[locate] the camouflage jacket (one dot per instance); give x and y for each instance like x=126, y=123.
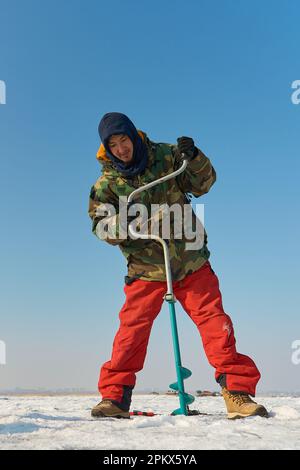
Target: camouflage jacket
x=145, y=259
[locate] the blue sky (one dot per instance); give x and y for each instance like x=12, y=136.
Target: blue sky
x=220, y=72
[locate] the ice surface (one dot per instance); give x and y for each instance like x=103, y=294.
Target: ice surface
x=64, y=422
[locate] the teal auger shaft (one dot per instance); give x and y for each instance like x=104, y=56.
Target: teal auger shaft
x=182, y=373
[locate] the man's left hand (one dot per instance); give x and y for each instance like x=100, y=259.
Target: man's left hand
x=186, y=145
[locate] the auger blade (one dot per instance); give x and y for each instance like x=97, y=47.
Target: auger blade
x=185, y=374
x=177, y=412
x=188, y=399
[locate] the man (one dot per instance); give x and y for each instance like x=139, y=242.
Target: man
x=130, y=159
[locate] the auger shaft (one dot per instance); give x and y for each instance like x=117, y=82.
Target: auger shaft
x=178, y=365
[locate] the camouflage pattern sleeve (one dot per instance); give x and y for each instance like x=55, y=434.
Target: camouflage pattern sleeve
x=104, y=212
x=199, y=175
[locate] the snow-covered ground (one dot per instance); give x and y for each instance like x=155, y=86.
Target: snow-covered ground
x=64, y=422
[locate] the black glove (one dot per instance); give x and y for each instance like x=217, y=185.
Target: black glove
x=186, y=145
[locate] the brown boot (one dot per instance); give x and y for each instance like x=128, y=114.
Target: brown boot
x=107, y=409
x=240, y=405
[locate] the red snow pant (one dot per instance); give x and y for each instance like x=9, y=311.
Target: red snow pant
x=201, y=298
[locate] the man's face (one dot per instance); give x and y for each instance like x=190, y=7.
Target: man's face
x=121, y=147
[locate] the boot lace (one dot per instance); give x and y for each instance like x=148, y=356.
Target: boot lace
x=241, y=398
x=106, y=400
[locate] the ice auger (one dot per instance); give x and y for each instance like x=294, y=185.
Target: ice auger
x=183, y=373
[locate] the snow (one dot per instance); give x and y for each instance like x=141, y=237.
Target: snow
x=64, y=422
